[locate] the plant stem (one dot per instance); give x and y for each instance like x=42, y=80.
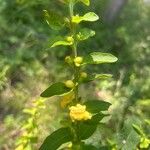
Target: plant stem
x=74, y=49
x=76, y=142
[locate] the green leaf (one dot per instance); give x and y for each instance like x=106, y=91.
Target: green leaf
x=64, y=43
x=85, y=34
x=55, y=89
x=54, y=20
x=99, y=58
x=56, y=139
x=94, y=77
x=87, y=128
x=91, y=16
x=95, y=106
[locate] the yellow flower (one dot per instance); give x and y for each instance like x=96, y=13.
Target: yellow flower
x=79, y=113
x=65, y=100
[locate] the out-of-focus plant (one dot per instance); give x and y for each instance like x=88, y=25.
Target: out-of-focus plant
x=82, y=115
x=3, y=78
x=29, y=129
x=144, y=138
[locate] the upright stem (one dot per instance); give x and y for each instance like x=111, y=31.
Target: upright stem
x=76, y=145
x=74, y=48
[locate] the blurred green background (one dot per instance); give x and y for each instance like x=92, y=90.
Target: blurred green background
x=28, y=65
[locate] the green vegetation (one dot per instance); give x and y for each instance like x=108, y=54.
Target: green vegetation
x=28, y=65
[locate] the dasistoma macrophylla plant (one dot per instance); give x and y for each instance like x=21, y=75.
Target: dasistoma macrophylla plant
x=83, y=115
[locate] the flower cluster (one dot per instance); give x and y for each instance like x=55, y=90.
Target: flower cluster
x=79, y=113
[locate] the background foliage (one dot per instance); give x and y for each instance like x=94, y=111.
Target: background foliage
x=27, y=66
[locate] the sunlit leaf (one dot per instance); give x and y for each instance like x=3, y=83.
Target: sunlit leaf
x=99, y=58
x=91, y=16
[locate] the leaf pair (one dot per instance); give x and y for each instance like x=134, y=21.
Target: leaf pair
x=60, y=89
x=93, y=58
x=81, y=36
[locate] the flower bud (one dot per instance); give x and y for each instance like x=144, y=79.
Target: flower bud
x=78, y=61
x=83, y=75
x=70, y=39
x=69, y=84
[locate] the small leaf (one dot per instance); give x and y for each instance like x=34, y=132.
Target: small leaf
x=64, y=43
x=85, y=34
x=95, y=106
x=91, y=16
x=54, y=20
x=56, y=89
x=99, y=58
x=56, y=139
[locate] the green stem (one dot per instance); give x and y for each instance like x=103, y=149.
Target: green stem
x=76, y=141
x=74, y=49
